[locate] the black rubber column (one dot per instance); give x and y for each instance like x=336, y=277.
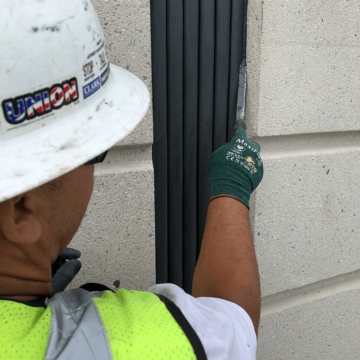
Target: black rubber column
x=191, y=88
x=237, y=38
x=160, y=146
x=206, y=109
x=197, y=48
x=175, y=98
x=222, y=63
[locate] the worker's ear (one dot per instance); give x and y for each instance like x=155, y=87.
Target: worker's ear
x=18, y=221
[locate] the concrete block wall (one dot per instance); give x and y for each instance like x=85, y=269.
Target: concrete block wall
x=303, y=107
x=117, y=235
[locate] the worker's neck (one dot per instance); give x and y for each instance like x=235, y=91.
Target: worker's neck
x=25, y=271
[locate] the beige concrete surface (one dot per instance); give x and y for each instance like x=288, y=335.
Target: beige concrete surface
x=323, y=329
x=117, y=235
x=306, y=217
x=303, y=61
x=303, y=107
x=126, y=26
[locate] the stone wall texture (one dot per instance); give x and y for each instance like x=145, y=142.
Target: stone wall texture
x=303, y=106
x=117, y=235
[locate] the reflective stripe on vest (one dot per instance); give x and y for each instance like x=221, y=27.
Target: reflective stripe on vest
x=77, y=330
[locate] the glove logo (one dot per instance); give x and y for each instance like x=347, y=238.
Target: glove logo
x=251, y=163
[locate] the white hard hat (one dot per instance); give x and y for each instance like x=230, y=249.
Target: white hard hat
x=62, y=103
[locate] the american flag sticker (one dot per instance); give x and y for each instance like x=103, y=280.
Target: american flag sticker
x=29, y=106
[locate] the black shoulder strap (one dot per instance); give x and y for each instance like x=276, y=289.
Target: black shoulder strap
x=94, y=287
x=41, y=300
x=185, y=326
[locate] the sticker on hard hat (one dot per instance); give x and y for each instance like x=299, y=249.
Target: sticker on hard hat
x=40, y=102
x=31, y=105
x=105, y=75
x=91, y=88
x=96, y=70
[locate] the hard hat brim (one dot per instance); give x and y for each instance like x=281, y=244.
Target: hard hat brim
x=74, y=139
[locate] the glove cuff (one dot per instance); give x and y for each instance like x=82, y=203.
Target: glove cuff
x=230, y=196
x=232, y=191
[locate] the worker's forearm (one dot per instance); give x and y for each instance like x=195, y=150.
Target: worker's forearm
x=227, y=266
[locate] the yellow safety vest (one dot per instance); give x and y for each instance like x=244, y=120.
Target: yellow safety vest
x=79, y=324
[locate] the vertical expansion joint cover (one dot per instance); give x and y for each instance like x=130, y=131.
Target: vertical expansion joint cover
x=77, y=330
x=61, y=101
x=194, y=113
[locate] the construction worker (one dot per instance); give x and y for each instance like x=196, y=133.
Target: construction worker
x=63, y=106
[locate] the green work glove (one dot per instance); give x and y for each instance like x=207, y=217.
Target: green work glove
x=236, y=168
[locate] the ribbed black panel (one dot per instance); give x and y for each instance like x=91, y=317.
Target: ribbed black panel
x=196, y=54
x=160, y=146
x=191, y=62
x=238, y=22
x=222, y=63
x=175, y=81
x=206, y=109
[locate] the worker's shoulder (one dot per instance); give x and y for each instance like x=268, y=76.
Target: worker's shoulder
x=22, y=324
x=124, y=297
